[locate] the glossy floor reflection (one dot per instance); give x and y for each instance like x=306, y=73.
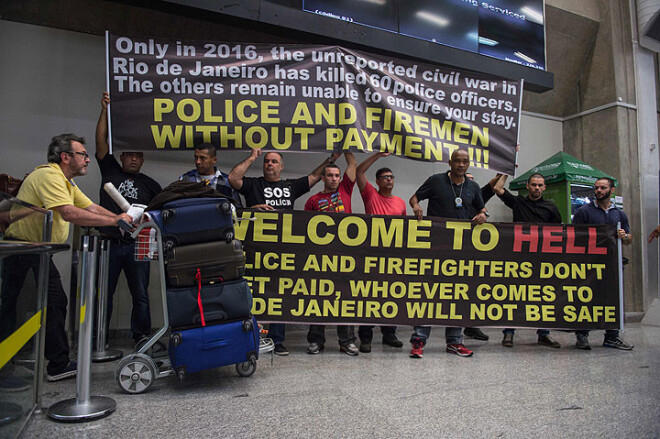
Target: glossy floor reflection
x=521, y=392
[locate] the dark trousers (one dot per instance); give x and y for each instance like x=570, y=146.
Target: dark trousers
x=366, y=333
x=122, y=257
x=316, y=334
x=14, y=270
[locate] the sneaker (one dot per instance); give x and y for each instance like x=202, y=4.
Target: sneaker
x=617, y=343
x=507, y=341
x=417, y=350
x=69, y=371
x=582, y=342
x=392, y=340
x=349, y=349
x=459, y=349
x=475, y=333
x=314, y=348
x=13, y=384
x=365, y=347
x=546, y=340
x=281, y=350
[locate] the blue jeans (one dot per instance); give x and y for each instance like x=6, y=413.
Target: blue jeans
x=277, y=332
x=539, y=332
x=121, y=257
x=452, y=335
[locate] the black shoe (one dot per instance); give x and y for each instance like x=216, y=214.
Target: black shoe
x=365, y=347
x=582, y=342
x=617, y=343
x=475, y=333
x=391, y=340
x=281, y=350
x=507, y=341
x=546, y=340
x=69, y=371
x=314, y=348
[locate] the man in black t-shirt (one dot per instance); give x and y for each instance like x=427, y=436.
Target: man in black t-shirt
x=137, y=188
x=270, y=192
x=450, y=195
x=532, y=208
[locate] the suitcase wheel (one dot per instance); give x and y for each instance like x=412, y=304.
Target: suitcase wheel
x=181, y=373
x=247, y=325
x=169, y=244
x=168, y=215
x=246, y=368
x=225, y=208
x=176, y=339
x=135, y=373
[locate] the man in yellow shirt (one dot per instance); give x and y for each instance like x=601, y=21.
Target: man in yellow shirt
x=51, y=187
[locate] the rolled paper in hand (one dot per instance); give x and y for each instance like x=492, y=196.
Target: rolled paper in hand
x=116, y=196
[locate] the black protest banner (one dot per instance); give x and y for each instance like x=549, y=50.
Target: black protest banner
x=171, y=94
x=338, y=268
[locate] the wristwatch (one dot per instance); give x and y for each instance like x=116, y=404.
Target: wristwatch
x=330, y=159
x=486, y=213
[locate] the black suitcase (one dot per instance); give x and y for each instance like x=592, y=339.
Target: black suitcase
x=217, y=261
x=219, y=302
x=193, y=220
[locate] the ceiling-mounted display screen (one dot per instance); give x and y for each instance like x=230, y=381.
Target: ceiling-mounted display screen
x=510, y=30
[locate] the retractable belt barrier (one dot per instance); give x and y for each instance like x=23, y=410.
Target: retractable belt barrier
x=84, y=407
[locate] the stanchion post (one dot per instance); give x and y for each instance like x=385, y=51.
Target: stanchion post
x=102, y=354
x=84, y=407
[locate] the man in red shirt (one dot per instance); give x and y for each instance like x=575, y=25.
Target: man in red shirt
x=378, y=202
x=335, y=197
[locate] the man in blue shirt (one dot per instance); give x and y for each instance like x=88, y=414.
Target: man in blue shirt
x=205, y=170
x=602, y=211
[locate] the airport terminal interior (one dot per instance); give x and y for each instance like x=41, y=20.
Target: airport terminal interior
x=564, y=89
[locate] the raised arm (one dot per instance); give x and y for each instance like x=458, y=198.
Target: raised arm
x=351, y=165
x=102, y=146
x=238, y=172
x=497, y=183
x=315, y=175
x=654, y=234
x=364, y=166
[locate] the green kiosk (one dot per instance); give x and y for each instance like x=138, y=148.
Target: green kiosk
x=569, y=183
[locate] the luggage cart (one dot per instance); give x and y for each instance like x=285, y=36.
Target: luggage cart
x=136, y=372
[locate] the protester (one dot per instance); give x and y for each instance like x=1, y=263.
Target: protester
x=335, y=197
x=531, y=209
x=136, y=188
x=271, y=192
x=206, y=170
x=450, y=195
x=603, y=211
x=378, y=202
x=51, y=187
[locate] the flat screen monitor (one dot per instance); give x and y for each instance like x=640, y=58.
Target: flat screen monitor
x=510, y=30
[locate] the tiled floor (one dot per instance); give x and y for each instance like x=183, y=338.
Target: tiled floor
x=527, y=391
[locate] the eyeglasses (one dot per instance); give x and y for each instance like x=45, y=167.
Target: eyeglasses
x=84, y=154
x=387, y=177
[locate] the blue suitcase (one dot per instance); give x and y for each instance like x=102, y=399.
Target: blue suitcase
x=194, y=220
x=213, y=346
